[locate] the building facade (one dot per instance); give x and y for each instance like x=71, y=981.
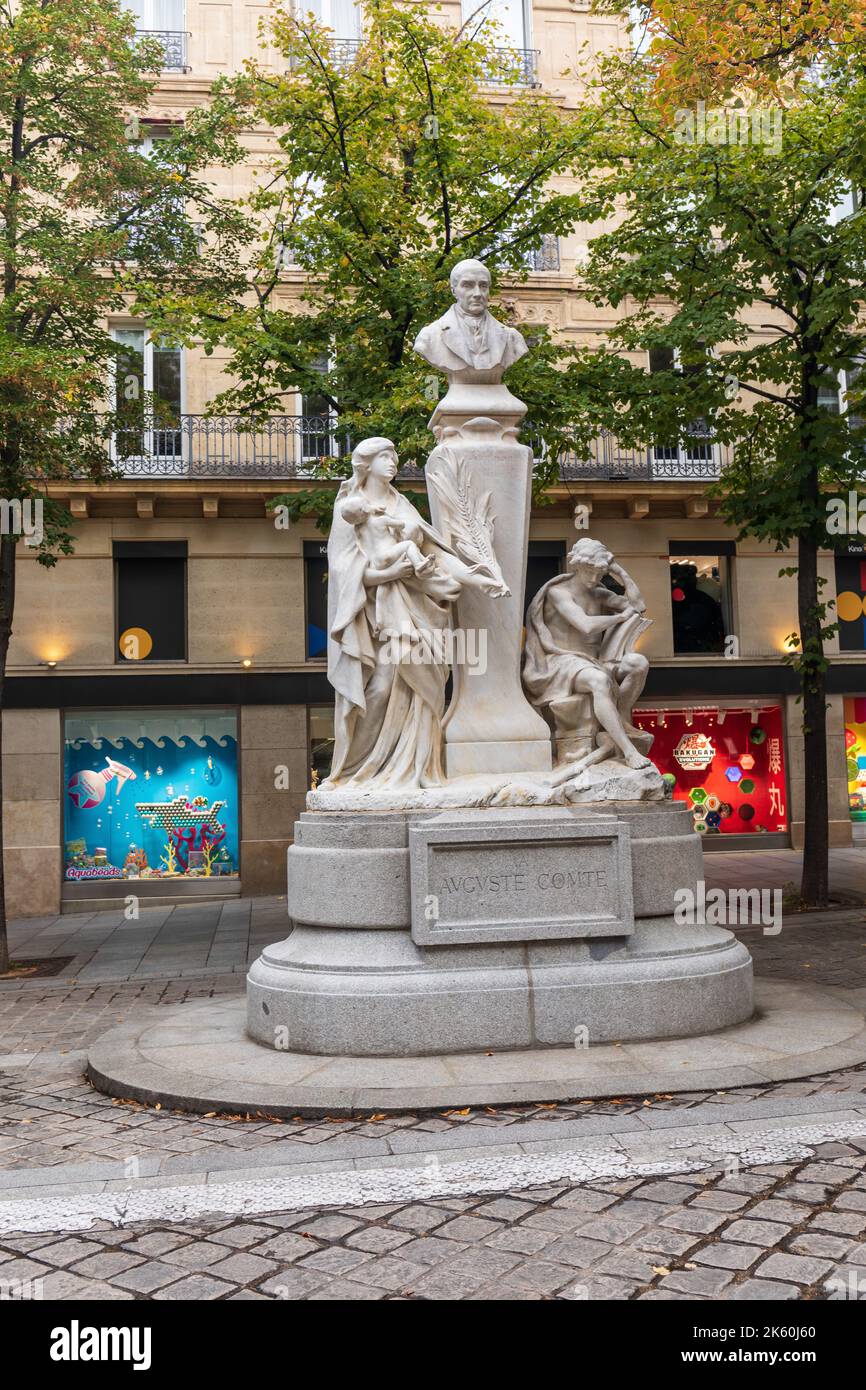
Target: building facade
x=167, y=701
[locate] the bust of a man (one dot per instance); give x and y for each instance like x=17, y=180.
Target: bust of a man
x=468, y=342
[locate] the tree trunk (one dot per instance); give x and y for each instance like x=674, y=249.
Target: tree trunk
x=814, y=888
x=7, y=608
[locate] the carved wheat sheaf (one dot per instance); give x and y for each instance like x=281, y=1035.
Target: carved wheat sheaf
x=470, y=520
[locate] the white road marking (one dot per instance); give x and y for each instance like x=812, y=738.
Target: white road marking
x=429, y=1176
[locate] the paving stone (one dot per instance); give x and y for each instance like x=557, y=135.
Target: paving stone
x=243, y=1235
x=292, y=1283
x=504, y=1209
x=508, y=1293
x=64, y=1252
x=667, y=1243
x=378, y=1239
x=850, y=1201
x=815, y=1243
x=726, y=1255
x=334, y=1260
x=19, y=1271
x=612, y=1229
x=843, y=1223
x=717, y=1200
x=665, y=1192
x=107, y=1263
x=428, y=1250
x=542, y=1276
x=331, y=1227
x=418, y=1218
x=343, y=1289
x=242, y=1268
x=801, y=1269
x=576, y=1250
x=468, y=1228
x=703, y=1283
x=600, y=1287
x=776, y=1209
x=194, y=1288
x=145, y=1278
x=584, y=1199
x=390, y=1272
x=757, y=1232
x=769, y=1289
x=523, y=1239
x=198, y=1255
x=636, y=1265
x=156, y=1243
x=690, y=1219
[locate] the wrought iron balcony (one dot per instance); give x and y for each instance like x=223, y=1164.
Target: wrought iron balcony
x=508, y=66
x=545, y=256
x=513, y=66
x=173, y=41
x=699, y=457
x=292, y=446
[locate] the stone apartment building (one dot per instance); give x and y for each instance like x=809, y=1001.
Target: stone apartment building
x=168, y=705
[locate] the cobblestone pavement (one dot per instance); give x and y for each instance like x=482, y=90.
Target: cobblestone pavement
x=780, y=1231
x=777, y=1231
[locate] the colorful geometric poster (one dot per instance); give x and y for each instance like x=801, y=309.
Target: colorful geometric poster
x=851, y=602
x=150, y=795
x=727, y=765
x=855, y=755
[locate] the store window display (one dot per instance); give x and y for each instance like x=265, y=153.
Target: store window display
x=855, y=755
x=150, y=794
x=726, y=763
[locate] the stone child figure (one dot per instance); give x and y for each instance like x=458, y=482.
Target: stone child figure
x=386, y=540
x=579, y=667
x=468, y=343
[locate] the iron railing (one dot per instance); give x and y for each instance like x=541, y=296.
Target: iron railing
x=174, y=55
x=513, y=65
x=507, y=66
x=545, y=256
x=292, y=446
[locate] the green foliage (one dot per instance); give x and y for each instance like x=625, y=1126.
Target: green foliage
x=730, y=254
x=90, y=225
x=389, y=169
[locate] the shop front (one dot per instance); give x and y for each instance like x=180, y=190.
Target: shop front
x=726, y=762
x=855, y=759
x=150, y=797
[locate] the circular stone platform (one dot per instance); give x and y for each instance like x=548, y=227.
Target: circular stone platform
x=198, y=1057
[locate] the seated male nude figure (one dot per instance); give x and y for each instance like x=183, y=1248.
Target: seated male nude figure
x=579, y=612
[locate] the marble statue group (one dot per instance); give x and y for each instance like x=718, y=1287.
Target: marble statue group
x=392, y=573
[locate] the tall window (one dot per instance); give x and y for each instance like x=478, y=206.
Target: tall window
x=150, y=600
x=148, y=394
x=851, y=598
x=317, y=422
x=700, y=595
x=510, y=15
x=316, y=598
x=695, y=453
x=343, y=16
x=164, y=20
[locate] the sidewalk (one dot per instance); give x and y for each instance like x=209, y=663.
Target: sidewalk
x=208, y=939
x=754, y=1193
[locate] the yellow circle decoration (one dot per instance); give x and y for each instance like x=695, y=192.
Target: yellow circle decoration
x=135, y=644
x=850, y=606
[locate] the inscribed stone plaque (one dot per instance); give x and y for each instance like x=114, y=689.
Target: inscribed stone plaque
x=519, y=875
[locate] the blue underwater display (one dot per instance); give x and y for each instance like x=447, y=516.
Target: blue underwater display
x=155, y=804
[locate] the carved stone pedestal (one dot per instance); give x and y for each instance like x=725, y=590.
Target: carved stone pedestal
x=421, y=933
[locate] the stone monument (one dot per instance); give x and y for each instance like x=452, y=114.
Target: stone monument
x=499, y=875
